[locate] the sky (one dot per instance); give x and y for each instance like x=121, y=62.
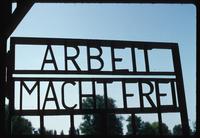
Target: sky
x=132, y=22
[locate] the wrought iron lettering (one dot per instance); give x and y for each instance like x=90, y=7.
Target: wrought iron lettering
x=108, y=67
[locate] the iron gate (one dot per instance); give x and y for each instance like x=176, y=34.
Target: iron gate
x=20, y=77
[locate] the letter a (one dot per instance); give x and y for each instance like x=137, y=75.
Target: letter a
x=49, y=61
x=54, y=98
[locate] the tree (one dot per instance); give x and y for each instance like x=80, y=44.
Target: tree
x=46, y=132
x=165, y=129
x=177, y=130
x=146, y=128
x=194, y=128
x=138, y=125
x=20, y=125
x=93, y=124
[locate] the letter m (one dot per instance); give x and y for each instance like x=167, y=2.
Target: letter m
x=30, y=90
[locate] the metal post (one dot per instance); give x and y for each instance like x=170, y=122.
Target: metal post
x=72, y=128
x=4, y=15
x=180, y=91
x=42, y=129
x=134, y=125
x=2, y=85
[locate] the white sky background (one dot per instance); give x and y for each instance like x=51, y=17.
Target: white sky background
x=134, y=22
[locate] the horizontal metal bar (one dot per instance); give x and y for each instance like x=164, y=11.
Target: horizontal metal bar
x=88, y=76
x=108, y=136
x=96, y=79
x=113, y=1
x=163, y=109
x=54, y=72
x=95, y=42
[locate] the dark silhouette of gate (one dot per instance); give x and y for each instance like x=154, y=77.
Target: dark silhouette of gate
x=176, y=81
x=9, y=22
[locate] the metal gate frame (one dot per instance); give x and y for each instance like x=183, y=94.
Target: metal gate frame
x=9, y=21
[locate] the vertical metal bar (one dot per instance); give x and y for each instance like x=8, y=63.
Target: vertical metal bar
x=173, y=93
x=80, y=95
x=160, y=123
x=134, y=125
x=112, y=59
x=38, y=102
x=42, y=129
x=180, y=91
x=94, y=94
x=134, y=59
x=105, y=95
x=72, y=128
x=2, y=83
x=21, y=95
x=65, y=55
x=10, y=85
x=158, y=108
x=9, y=126
x=11, y=68
x=104, y=115
x=88, y=58
x=104, y=122
x=124, y=94
x=146, y=58
x=5, y=12
x=140, y=95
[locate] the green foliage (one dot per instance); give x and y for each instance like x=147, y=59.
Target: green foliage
x=46, y=132
x=177, y=130
x=21, y=126
x=165, y=128
x=194, y=128
x=93, y=124
x=146, y=128
x=138, y=124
